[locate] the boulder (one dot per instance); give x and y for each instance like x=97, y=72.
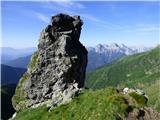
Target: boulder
x=56, y=72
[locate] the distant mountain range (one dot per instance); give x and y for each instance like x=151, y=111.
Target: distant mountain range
x=104, y=54
x=97, y=56
x=8, y=54
x=21, y=62
x=133, y=70
x=10, y=75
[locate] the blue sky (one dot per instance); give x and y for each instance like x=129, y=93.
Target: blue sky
x=131, y=23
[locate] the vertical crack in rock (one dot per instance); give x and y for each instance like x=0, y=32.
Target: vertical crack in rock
x=56, y=72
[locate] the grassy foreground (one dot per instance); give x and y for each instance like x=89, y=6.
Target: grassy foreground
x=105, y=104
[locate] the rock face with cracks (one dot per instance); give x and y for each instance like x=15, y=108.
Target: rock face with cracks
x=56, y=72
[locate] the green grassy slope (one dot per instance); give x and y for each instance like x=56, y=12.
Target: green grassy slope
x=139, y=70
x=105, y=104
x=153, y=92
x=131, y=71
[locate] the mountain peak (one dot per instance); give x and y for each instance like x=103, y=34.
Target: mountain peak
x=123, y=45
x=114, y=45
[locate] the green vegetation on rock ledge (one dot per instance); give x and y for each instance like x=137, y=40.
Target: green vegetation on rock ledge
x=19, y=99
x=105, y=104
x=34, y=60
x=139, y=98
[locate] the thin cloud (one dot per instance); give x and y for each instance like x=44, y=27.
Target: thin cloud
x=69, y=4
x=41, y=16
x=65, y=4
x=66, y=7
x=142, y=28
x=101, y=23
x=92, y=18
x=149, y=29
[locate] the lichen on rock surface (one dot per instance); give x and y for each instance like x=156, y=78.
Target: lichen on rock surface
x=56, y=72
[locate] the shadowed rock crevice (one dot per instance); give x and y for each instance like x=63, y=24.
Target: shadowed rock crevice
x=58, y=67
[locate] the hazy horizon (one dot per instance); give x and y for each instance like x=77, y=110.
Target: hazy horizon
x=32, y=47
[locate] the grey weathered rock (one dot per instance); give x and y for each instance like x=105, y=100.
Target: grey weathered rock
x=56, y=72
x=145, y=113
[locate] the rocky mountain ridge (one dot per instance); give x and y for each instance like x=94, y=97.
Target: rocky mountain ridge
x=127, y=50
x=10, y=75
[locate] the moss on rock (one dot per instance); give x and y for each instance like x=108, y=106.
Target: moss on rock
x=33, y=62
x=19, y=98
x=140, y=99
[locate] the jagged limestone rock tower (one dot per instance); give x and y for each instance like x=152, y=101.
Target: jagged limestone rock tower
x=56, y=72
